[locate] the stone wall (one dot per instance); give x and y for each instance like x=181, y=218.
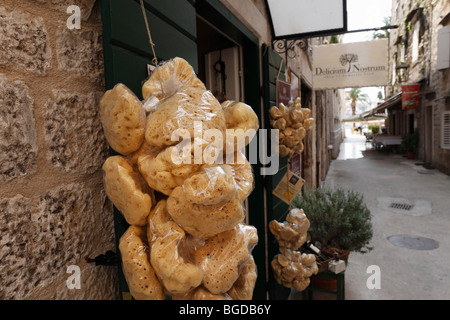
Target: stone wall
x=53, y=210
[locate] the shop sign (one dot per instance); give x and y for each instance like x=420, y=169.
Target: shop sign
x=410, y=96
x=288, y=187
x=283, y=92
x=350, y=65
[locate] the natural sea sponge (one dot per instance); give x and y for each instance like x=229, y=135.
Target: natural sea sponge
x=126, y=190
x=201, y=293
x=187, y=113
x=222, y=257
x=242, y=124
x=165, y=237
x=170, y=77
x=243, y=287
x=162, y=172
x=291, y=233
x=243, y=175
x=293, y=269
x=123, y=119
x=138, y=272
x=207, y=203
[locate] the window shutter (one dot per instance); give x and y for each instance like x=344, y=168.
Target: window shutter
x=443, y=43
x=445, y=134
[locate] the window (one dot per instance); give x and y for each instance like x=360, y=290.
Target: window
x=415, y=42
x=445, y=134
x=402, y=53
x=443, y=54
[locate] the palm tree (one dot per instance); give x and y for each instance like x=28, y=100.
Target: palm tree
x=355, y=95
x=384, y=33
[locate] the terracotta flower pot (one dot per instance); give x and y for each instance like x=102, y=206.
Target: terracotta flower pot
x=410, y=155
x=325, y=283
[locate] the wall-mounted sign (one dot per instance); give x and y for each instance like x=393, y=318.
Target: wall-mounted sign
x=306, y=19
x=410, y=96
x=288, y=187
x=283, y=92
x=350, y=65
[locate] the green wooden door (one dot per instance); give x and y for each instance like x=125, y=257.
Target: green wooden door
x=127, y=52
x=276, y=208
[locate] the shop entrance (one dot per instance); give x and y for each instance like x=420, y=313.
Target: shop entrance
x=219, y=60
x=203, y=33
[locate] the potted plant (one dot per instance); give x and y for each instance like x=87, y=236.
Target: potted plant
x=409, y=145
x=339, y=220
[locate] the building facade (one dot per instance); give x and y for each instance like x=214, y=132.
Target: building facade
x=419, y=55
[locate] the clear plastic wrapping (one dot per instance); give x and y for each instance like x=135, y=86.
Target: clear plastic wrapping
x=223, y=256
x=127, y=190
x=139, y=274
x=169, y=78
x=291, y=233
x=177, y=275
x=207, y=203
x=123, y=119
x=292, y=268
x=242, y=124
x=188, y=112
x=193, y=238
x=293, y=122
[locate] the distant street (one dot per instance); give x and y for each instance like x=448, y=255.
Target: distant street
x=411, y=220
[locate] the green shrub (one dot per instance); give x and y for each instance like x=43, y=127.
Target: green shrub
x=339, y=218
x=410, y=142
x=375, y=129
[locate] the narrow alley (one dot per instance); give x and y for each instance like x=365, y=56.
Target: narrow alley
x=412, y=245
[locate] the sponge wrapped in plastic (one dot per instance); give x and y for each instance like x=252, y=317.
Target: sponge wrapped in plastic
x=127, y=190
x=164, y=169
x=165, y=237
x=293, y=269
x=242, y=124
x=207, y=203
x=170, y=77
x=223, y=256
x=291, y=233
x=243, y=287
x=187, y=113
x=139, y=274
x=123, y=119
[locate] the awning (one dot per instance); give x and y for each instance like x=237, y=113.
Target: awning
x=365, y=116
x=392, y=101
x=305, y=18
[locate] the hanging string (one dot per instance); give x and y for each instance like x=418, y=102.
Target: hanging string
x=155, y=59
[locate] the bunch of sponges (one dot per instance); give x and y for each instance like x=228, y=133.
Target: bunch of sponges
x=292, y=268
x=184, y=204
x=292, y=121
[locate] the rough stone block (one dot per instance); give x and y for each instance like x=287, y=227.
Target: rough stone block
x=73, y=132
x=80, y=52
x=42, y=236
x=15, y=228
x=18, y=145
x=24, y=41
